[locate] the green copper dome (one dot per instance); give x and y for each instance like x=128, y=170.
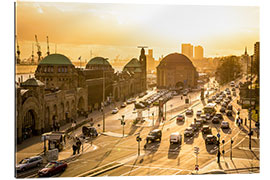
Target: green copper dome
x=55, y=59
x=98, y=60
x=133, y=63
x=32, y=82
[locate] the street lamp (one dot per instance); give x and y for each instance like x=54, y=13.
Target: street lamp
x=153, y=119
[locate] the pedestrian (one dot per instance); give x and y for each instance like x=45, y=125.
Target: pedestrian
x=78, y=143
x=245, y=121
x=58, y=127
x=74, y=147
x=54, y=127
x=195, y=120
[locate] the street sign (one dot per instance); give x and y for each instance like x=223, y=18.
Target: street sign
x=138, y=138
x=218, y=135
x=223, y=141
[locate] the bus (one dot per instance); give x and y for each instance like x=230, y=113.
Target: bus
x=210, y=108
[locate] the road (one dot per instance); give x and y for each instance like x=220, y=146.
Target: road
x=118, y=156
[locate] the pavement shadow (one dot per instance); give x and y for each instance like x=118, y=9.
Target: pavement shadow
x=188, y=140
x=226, y=131
x=173, y=151
x=180, y=123
x=211, y=148
x=133, y=129
x=255, y=155
x=151, y=147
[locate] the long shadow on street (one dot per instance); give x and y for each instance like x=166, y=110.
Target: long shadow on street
x=173, y=151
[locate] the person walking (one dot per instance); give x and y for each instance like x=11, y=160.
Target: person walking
x=78, y=143
x=245, y=121
x=74, y=147
x=58, y=126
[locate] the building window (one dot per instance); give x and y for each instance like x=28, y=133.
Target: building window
x=45, y=69
x=51, y=68
x=59, y=69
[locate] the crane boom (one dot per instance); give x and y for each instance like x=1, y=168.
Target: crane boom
x=48, y=48
x=38, y=49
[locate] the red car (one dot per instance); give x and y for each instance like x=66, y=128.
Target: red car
x=180, y=118
x=52, y=168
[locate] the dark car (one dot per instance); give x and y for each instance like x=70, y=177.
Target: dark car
x=29, y=163
x=222, y=110
x=194, y=126
x=208, y=116
x=209, y=100
x=52, y=168
x=189, y=112
x=199, y=122
x=206, y=130
x=229, y=97
x=210, y=139
x=139, y=106
x=215, y=120
x=89, y=131
x=189, y=132
x=203, y=118
x=229, y=113
x=154, y=135
x=223, y=104
x=229, y=107
x=219, y=115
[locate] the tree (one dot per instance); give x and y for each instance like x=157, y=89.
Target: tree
x=228, y=70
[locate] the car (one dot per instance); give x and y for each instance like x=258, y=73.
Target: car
x=236, y=86
x=129, y=101
x=29, y=163
x=219, y=115
x=123, y=105
x=207, y=116
x=223, y=104
x=189, y=112
x=228, y=92
x=139, y=106
x=199, y=112
x=227, y=89
x=213, y=98
x=225, y=125
x=206, y=130
x=180, y=118
x=229, y=113
x=203, y=118
x=52, y=168
x=217, y=101
x=229, y=107
x=229, y=97
x=89, y=131
x=222, y=110
x=234, y=93
x=210, y=139
x=189, y=132
x=176, y=138
x=194, y=126
x=174, y=93
x=227, y=100
x=115, y=110
x=233, y=89
x=232, y=84
x=223, y=95
x=154, y=135
x=185, y=93
x=209, y=100
x=215, y=120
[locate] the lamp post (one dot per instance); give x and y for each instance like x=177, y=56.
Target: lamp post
x=153, y=119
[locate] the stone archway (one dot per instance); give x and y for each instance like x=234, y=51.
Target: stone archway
x=29, y=123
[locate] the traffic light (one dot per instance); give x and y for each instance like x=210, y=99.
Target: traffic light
x=223, y=141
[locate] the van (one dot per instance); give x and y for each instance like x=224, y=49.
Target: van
x=176, y=138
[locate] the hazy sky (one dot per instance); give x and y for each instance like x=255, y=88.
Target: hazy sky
x=117, y=29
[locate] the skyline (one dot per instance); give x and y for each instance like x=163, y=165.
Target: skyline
x=78, y=28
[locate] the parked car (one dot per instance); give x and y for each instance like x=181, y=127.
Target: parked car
x=222, y=110
x=188, y=132
x=176, y=138
x=139, y=106
x=208, y=116
x=29, y=163
x=154, y=135
x=189, y=112
x=52, y=168
x=115, y=110
x=225, y=125
x=199, y=122
x=229, y=107
x=213, y=98
x=210, y=139
x=223, y=104
x=209, y=100
x=206, y=129
x=219, y=115
x=203, y=118
x=89, y=131
x=180, y=118
x=215, y=120
x=129, y=101
x=218, y=101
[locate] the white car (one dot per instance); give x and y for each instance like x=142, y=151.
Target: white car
x=199, y=112
x=29, y=163
x=115, y=110
x=175, y=138
x=224, y=125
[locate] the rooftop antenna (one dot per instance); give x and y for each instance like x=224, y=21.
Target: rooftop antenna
x=38, y=48
x=18, y=51
x=48, y=48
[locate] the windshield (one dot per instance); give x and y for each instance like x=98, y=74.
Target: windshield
x=24, y=161
x=50, y=165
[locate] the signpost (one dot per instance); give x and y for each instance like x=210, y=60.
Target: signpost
x=138, y=139
x=123, y=124
x=196, y=151
x=218, y=153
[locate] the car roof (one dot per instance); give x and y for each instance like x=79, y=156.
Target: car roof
x=210, y=135
x=205, y=126
x=175, y=133
x=156, y=130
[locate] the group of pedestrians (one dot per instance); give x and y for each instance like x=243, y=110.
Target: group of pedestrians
x=56, y=127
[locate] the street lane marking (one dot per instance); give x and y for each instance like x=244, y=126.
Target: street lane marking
x=130, y=171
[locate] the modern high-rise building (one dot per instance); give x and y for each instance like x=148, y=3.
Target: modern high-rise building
x=187, y=49
x=198, y=52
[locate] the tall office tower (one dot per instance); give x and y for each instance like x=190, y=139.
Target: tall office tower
x=187, y=49
x=257, y=51
x=198, y=52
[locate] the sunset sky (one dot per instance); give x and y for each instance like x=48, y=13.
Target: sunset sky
x=117, y=29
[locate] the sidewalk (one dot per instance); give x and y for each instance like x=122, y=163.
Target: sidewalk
x=34, y=146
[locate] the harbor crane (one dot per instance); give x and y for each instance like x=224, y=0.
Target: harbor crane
x=48, y=48
x=38, y=49
x=18, y=51
x=32, y=56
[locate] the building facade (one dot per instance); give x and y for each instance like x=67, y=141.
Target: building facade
x=198, y=52
x=187, y=50
x=176, y=70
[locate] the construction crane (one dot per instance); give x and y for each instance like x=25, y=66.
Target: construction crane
x=18, y=51
x=38, y=49
x=32, y=56
x=48, y=49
